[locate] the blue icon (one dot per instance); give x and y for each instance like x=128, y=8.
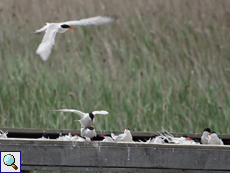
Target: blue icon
x=9, y=160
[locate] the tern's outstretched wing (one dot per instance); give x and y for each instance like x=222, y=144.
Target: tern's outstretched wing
x=99, y=20
x=43, y=28
x=166, y=132
x=70, y=110
x=100, y=112
x=45, y=47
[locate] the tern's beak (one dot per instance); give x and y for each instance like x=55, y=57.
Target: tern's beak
x=209, y=134
x=102, y=136
x=75, y=135
x=71, y=28
x=92, y=122
x=189, y=139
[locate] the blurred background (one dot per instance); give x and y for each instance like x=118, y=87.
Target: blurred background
x=162, y=63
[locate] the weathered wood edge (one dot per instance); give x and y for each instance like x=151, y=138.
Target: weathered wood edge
x=116, y=169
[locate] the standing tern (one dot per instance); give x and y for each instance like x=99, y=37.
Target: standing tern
x=204, y=137
x=45, y=47
x=87, y=119
x=125, y=137
x=213, y=139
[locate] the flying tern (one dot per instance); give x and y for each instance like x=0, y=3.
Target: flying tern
x=45, y=47
x=87, y=119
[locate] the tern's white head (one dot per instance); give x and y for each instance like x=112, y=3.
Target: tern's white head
x=212, y=134
x=127, y=130
x=64, y=28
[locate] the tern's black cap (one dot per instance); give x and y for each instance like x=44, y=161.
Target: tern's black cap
x=91, y=115
x=207, y=130
x=65, y=26
x=90, y=128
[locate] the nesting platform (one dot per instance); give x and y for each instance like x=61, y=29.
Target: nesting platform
x=54, y=155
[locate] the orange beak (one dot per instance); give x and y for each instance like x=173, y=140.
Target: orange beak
x=71, y=28
x=189, y=139
x=92, y=122
x=75, y=135
x=102, y=136
x=92, y=130
x=209, y=134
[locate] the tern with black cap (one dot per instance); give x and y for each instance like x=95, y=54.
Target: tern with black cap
x=213, y=139
x=45, y=47
x=204, y=137
x=88, y=132
x=125, y=137
x=87, y=119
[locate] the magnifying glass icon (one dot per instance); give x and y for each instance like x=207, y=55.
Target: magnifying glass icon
x=9, y=160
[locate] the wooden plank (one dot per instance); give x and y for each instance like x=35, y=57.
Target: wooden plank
x=83, y=156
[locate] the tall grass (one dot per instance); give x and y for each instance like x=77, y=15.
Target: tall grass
x=161, y=63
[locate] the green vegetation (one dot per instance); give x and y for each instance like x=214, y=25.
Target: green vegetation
x=162, y=63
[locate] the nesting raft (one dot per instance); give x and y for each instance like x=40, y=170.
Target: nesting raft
x=54, y=155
